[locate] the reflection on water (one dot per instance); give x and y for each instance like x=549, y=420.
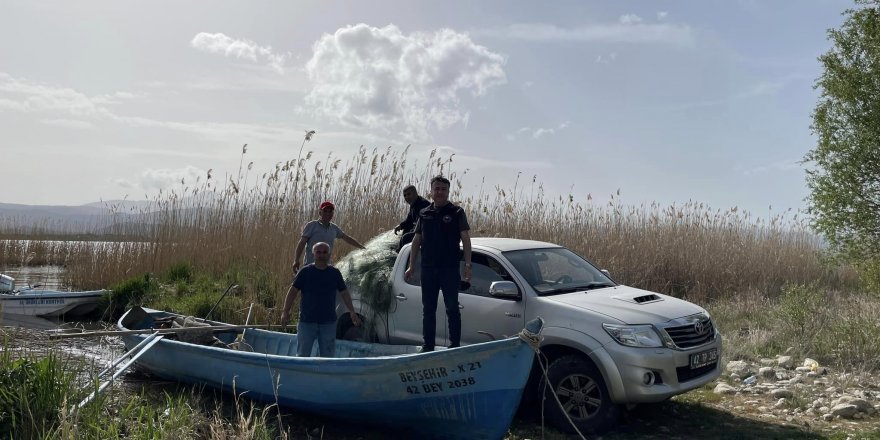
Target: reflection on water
x=48, y=277
x=25, y=321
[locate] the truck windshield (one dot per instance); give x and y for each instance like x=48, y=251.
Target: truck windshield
x=553, y=271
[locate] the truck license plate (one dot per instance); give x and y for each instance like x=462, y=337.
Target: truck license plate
x=704, y=358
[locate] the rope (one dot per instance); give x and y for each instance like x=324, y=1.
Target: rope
x=534, y=340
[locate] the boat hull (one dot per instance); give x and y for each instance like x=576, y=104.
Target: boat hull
x=51, y=303
x=470, y=392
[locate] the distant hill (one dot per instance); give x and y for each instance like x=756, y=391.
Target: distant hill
x=92, y=218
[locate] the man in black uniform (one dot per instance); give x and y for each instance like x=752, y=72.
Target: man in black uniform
x=441, y=226
x=416, y=204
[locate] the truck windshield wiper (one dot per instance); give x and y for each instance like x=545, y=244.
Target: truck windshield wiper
x=590, y=286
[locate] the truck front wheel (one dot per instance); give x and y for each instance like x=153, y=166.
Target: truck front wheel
x=582, y=394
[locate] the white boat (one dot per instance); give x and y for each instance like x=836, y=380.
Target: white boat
x=35, y=302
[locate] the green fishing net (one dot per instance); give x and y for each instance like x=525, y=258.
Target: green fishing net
x=368, y=271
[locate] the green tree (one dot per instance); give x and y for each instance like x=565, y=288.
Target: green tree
x=845, y=178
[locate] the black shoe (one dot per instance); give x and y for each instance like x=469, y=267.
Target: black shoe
x=425, y=349
x=454, y=345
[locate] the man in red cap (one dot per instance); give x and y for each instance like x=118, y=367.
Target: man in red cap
x=317, y=231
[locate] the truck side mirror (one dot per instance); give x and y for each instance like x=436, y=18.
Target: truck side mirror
x=504, y=289
x=607, y=274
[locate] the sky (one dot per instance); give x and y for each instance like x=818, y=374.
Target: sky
x=663, y=101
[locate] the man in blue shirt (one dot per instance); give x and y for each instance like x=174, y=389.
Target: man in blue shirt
x=319, y=283
x=440, y=228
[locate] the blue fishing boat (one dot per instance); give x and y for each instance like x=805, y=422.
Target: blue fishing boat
x=470, y=392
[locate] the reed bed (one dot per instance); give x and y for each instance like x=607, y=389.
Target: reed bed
x=250, y=222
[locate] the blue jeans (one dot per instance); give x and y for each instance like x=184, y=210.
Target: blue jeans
x=435, y=279
x=308, y=332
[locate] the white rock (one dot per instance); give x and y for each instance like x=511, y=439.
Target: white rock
x=738, y=367
x=861, y=404
x=824, y=409
x=782, y=393
x=767, y=372
x=785, y=362
x=812, y=374
x=779, y=403
x=828, y=417
x=723, y=388
x=803, y=369
x=844, y=410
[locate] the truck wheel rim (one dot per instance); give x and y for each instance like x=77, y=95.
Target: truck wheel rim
x=579, y=395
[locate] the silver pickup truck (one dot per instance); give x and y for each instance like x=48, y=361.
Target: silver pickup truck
x=607, y=344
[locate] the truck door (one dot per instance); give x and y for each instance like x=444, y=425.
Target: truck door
x=406, y=319
x=484, y=317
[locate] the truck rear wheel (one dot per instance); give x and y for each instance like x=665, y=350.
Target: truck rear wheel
x=583, y=395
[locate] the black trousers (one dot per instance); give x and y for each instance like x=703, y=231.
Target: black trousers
x=434, y=280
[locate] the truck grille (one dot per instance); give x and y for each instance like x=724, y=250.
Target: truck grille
x=692, y=335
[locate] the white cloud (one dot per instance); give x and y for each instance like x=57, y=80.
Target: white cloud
x=662, y=15
x=70, y=123
x=477, y=162
x=381, y=78
x=27, y=96
x=757, y=90
x=537, y=132
x=222, y=44
x=163, y=178
x=780, y=166
x=629, y=29
x=113, y=98
x=630, y=19
x=606, y=59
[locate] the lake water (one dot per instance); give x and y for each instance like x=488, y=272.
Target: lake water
x=48, y=277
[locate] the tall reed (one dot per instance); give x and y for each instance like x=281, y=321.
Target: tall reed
x=252, y=222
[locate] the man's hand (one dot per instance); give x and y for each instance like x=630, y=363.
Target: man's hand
x=285, y=318
x=467, y=273
x=355, y=319
x=408, y=274
x=295, y=267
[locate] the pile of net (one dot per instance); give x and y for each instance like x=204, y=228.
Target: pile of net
x=368, y=271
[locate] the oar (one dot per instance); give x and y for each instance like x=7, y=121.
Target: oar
x=240, y=338
x=133, y=354
x=164, y=331
x=231, y=286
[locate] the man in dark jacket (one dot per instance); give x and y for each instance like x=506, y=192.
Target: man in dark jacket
x=416, y=204
x=442, y=226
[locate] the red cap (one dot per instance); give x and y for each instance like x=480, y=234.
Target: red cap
x=326, y=204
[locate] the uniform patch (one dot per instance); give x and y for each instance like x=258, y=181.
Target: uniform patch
x=447, y=218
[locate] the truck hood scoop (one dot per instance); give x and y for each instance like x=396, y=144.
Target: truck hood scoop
x=639, y=299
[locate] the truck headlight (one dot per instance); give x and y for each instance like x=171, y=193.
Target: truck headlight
x=634, y=335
